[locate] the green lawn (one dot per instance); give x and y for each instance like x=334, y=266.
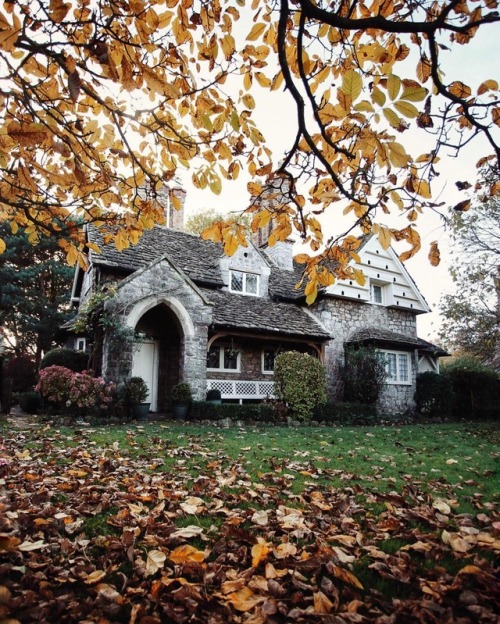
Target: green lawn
x=368, y=514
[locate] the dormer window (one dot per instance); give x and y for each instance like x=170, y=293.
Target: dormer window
x=244, y=283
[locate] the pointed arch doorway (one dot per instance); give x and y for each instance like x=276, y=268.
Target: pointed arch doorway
x=157, y=354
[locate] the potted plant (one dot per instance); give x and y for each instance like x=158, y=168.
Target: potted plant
x=214, y=396
x=181, y=400
x=136, y=392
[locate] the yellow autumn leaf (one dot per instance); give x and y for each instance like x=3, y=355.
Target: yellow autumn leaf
x=2, y=245
x=391, y=117
x=311, y=291
x=378, y=96
x=393, y=86
x=397, y=154
x=364, y=106
x=262, y=79
x=414, y=93
x=359, y=276
x=72, y=255
x=186, y=553
x=244, y=599
x=230, y=242
x=256, y=32
x=254, y=188
x=213, y=233
x=487, y=85
x=322, y=604
x=352, y=84
x=406, y=109
x=384, y=237
x=94, y=577
x=422, y=188
x=259, y=553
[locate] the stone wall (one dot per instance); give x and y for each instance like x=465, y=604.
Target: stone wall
x=247, y=259
x=160, y=285
x=342, y=318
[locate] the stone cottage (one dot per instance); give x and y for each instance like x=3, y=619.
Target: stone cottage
x=215, y=321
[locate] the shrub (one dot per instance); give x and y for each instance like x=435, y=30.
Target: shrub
x=299, y=381
x=434, y=395
x=22, y=371
x=364, y=375
x=74, y=392
x=135, y=390
x=30, y=402
x=251, y=412
x=214, y=394
x=344, y=413
x=476, y=389
x=181, y=393
x=74, y=360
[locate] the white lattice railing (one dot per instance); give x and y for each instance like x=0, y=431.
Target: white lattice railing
x=241, y=389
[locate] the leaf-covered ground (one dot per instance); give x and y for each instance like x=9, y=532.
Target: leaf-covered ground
x=163, y=523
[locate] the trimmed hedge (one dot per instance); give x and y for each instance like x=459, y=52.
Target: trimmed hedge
x=434, y=395
x=346, y=413
x=30, y=402
x=76, y=361
x=250, y=412
x=476, y=391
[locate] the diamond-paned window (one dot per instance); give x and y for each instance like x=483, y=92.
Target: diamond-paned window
x=244, y=283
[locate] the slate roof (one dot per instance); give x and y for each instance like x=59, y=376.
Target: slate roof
x=282, y=283
x=257, y=314
x=388, y=338
x=198, y=258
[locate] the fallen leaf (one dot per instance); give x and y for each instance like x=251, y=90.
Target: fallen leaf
x=95, y=577
x=29, y=546
x=185, y=553
x=259, y=553
x=155, y=560
x=322, y=604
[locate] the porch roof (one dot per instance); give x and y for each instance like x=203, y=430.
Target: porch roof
x=261, y=315
x=391, y=339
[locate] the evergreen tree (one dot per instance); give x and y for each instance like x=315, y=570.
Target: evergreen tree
x=35, y=284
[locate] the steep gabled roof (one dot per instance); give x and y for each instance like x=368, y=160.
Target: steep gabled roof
x=198, y=258
x=381, y=266
x=258, y=314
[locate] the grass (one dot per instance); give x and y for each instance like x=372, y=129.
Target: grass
x=453, y=461
x=370, y=495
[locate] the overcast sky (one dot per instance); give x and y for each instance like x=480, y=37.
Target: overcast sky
x=274, y=115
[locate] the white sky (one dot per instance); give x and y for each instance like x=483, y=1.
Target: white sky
x=274, y=115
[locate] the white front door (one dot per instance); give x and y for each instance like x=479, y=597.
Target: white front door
x=145, y=365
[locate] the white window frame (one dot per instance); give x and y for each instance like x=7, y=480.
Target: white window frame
x=399, y=355
x=81, y=344
x=244, y=290
x=221, y=368
x=373, y=285
x=263, y=353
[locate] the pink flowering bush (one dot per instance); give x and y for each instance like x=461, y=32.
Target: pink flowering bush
x=75, y=392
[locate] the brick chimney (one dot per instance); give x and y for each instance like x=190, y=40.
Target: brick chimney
x=173, y=208
x=282, y=251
